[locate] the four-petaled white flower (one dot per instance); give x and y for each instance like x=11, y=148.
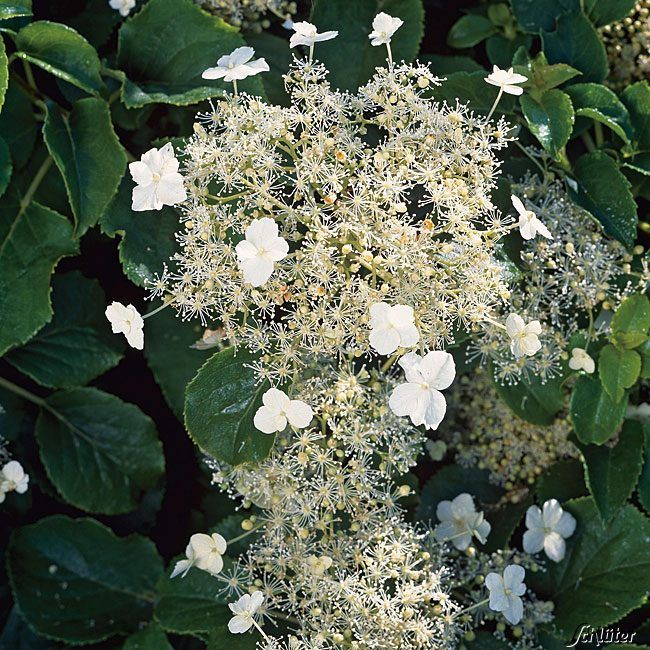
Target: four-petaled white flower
x=319, y=565
x=236, y=65
x=506, y=80
x=506, y=591
x=420, y=397
x=260, y=250
x=123, y=6
x=244, y=610
x=127, y=321
x=383, y=28
x=580, y=360
x=13, y=478
x=307, y=34
x=524, y=339
x=547, y=529
x=278, y=409
x=459, y=521
x=529, y=224
x=158, y=180
x=204, y=552
x=393, y=326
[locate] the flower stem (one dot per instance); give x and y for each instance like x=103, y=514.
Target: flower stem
x=260, y=630
x=390, y=57
x=34, y=185
x=496, y=101
x=156, y=310
x=469, y=609
x=245, y=534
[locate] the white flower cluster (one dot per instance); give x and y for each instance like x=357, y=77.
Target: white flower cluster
x=254, y=15
x=13, y=479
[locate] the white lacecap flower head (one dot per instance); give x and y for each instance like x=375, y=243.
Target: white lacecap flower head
x=204, y=552
x=506, y=80
x=123, y=6
x=547, y=529
x=278, y=410
x=383, y=28
x=157, y=180
x=13, y=478
x=128, y=321
x=506, y=591
x=529, y=224
x=237, y=65
x=420, y=397
x=393, y=326
x=524, y=337
x=307, y=34
x=259, y=251
x=580, y=360
x=460, y=521
x=244, y=610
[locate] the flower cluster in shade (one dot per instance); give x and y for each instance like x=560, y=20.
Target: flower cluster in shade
x=251, y=15
x=13, y=479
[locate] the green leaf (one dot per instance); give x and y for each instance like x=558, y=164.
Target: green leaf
x=442, y=65
x=151, y=637
x=77, y=345
x=4, y=72
x=165, y=48
x=603, y=12
x=644, y=480
x=61, y=51
x=470, y=30
x=350, y=58
x=6, y=168
x=32, y=241
x=644, y=351
x=74, y=580
x=16, y=635
x=639, y=163
x=601, y=104
x=595, y=416
x=169, y=355
x=612, y=472
x=606, y=571
x=631, y=321
x=534, y=15
x=576, y=42
x=191, y=605
x=88, y=155
x=15, y=8
x=486, y=641
x=277, y=54
x=534, y=401
x=605, y=192
x=618, y=370
x=501, y=50
x=563, y=481
x=550, y=119
x=637, y=99
x=96, y=22
x=100, y=453
x=17, y=125
x=220, y=403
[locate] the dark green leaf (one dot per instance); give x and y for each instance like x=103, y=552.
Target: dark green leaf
x=165, y=48
x=605, y=192
x=644, y=351
x=534, y=15
x=631, y=321
x=350, y=57
x=470, y=88
x=278, y=55
x=504, y=521
x=17, y=125
x=151, y=637
x=486, y=641
x=96, y=21
x=601, y=104
x=77, y=345
x=550, y=119
x=220, y=403
x=576, y=42
x=603, y=12
x=88, y=155
x=32, y=241
x=4, y=72
x=644, y=480
x=501, y=50
x=61, y=51
x=639, y=163
x=76, y=581
x=637, y=99
x=442, y=65
x=15, y=8
x=16, y=634
x=596, y=417
x=169, y=355
x=618, y=370
x=100, y=453
x=612, y=472
x=563, y=481
x=6, y=167
x=470, y=30
x=534, y=401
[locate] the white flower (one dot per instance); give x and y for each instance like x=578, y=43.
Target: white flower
x=529, y=224
x=306, y=34
x=123, y=6
x=505, y=592
x=13, y=477
x=420, y=398
x=127, y=321
x=580, y=360
x=204, y=552
x=261, y=248
x=244, y=610
x=319, y=565
x=237, y=65
x=506, y=80
x=278, y=409
x=640, y=412
x=383, y=28
x=524, y=339
x=459, y=520
x=158, y=180
x=392, y=327
x=547, y=529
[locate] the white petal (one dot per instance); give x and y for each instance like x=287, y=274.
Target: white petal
x=444, y=511
x=514, y=610
x=534, y=540
x=463, y=505
x=276, y=400
x=445, y=530
x=135, y=338
x=519, y=206
x=182, y=566
x=239, y=624
x=245, y=250
x=140, y=173
x=554, y=547
x=256, y=271
x=514, y=325
x=277, y=249
x=385, y=340
x=214, y=73
x=268, y=421
x=534, y=518
x=566, y=526
x=438, y=369
x=144, y=198
x=513, y=576
x=220, y=543
x=171, y=190
x=299, y=414
x=435, y=410
x=257, y=598
x=13, y=471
